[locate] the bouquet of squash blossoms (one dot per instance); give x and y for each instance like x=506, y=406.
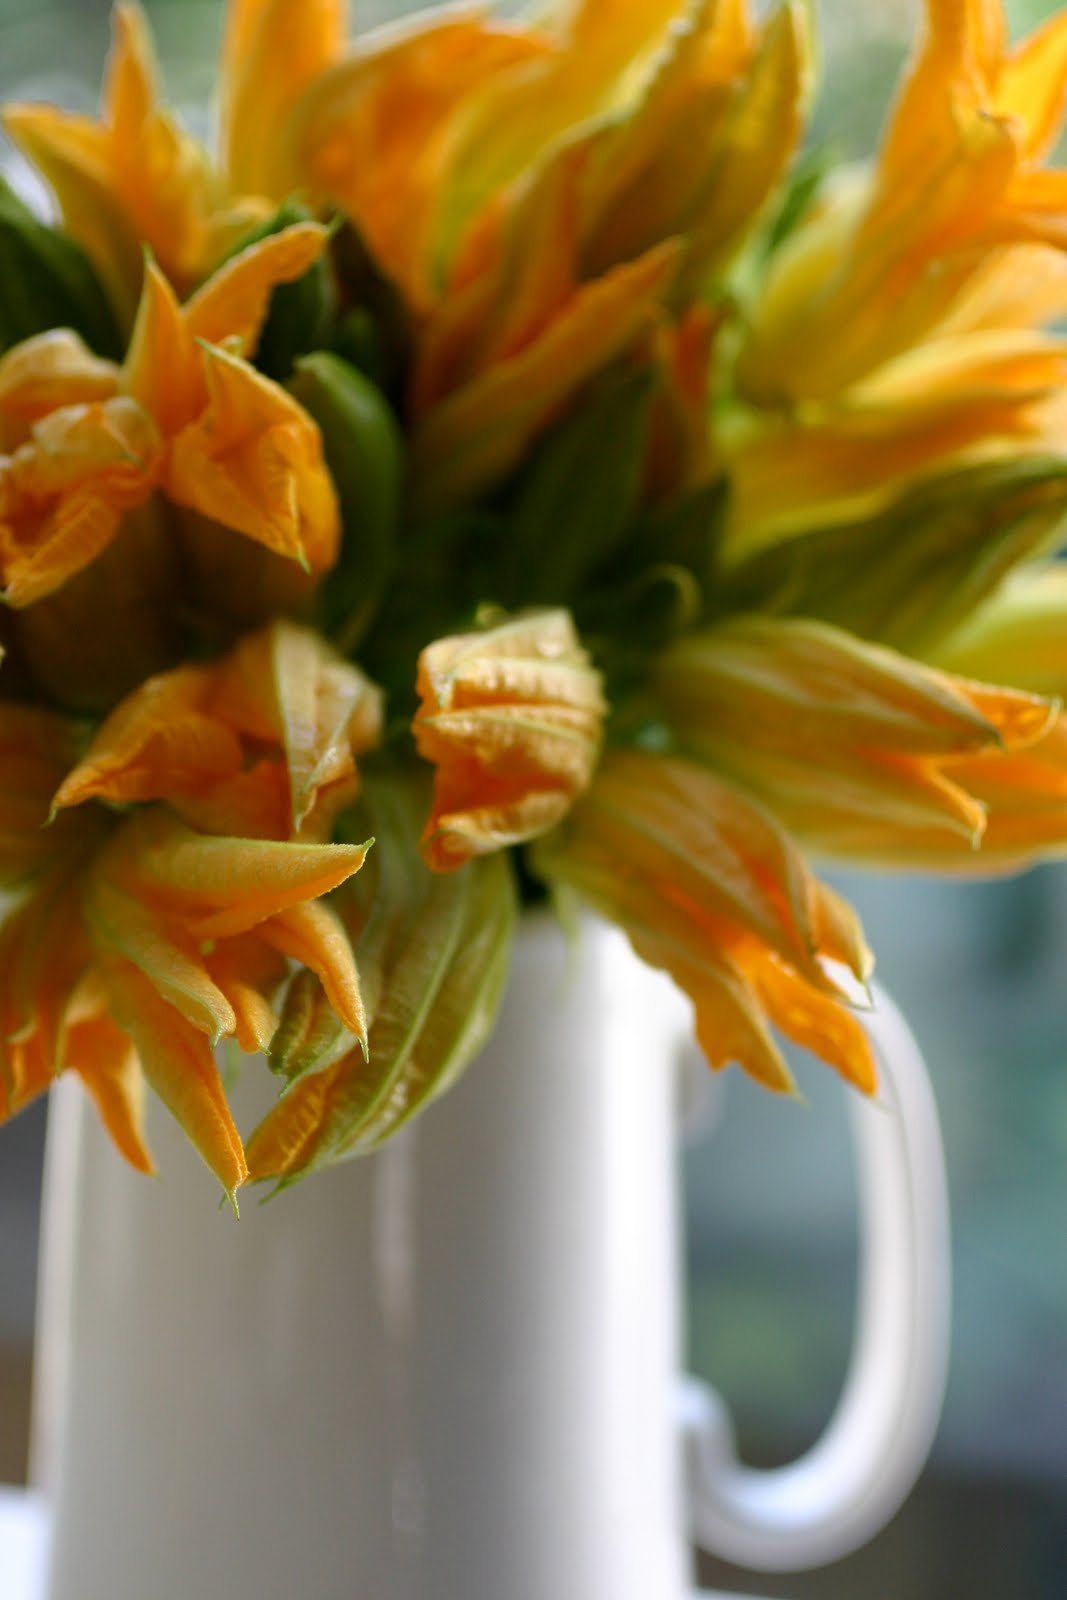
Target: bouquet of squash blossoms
x=511, y=463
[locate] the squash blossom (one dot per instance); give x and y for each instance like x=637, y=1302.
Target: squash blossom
x=511, y=719
x=902, y=330
x=510, y=464
x=185, y=414
x=137, y=942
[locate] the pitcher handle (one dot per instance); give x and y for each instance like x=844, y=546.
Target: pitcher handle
x=853, y=1480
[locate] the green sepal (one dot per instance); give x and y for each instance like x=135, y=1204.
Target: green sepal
x=46, y=281
x=311, y=1036
x=444, y=570
x=575, y=501
x=909, y=575
x=433, y=952
x=655, y=589
x=684, y=533
x=376, y=330
x=357, y=339
x=301, y=314
x=799, y=194
x=365, y=454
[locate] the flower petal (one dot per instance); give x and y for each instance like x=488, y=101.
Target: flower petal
x=508, y=124
x=471, y=439
x=284, y=684
x=233, y=303
x=73, y=154
x=157, y=742
x=313, y=934
x=511, y=718
x=755, y=696
x=709, y=890
x=104, y=1058
x=253, y=461
x=178, y=1063
x=247, y=971
x=373, y=135
x=48, y=371
x=163, y=370
x=216, y=887
x=272, y=49
x=63, y=493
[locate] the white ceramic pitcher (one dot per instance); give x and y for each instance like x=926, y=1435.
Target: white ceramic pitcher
x=450, y=1371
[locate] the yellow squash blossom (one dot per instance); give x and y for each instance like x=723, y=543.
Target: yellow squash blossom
x=896, y=742
x=601, y=234
x=186, y=414
x=1020, y=797
x=710, y=888
x=64, y=492
x=958, y=177
x=698, y=156
x=511, y=718
x=420, y=132
x=181, y=940
x=896, y=332
x=372, y=135
x=261, y=743
x=600, y=51
x=1019, y=636
x=135, y=176
x=954, y=403
x=189, y=934
x=178, y=934
x=696, y=854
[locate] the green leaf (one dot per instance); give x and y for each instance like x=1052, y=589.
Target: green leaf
x=433, y=952
x=46, y=282
x=365, y=454
x=576, y=500
x=301, y=313
x=907, y=576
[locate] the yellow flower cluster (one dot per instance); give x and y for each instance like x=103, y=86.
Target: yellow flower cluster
x=499, y=464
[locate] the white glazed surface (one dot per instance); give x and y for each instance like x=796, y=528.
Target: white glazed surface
x=23, y=1539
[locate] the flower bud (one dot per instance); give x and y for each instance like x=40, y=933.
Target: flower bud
x=512, y=720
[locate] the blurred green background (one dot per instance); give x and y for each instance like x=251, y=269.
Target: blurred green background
x=979, y=969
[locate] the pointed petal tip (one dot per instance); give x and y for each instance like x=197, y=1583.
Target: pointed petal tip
x=360, y=851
